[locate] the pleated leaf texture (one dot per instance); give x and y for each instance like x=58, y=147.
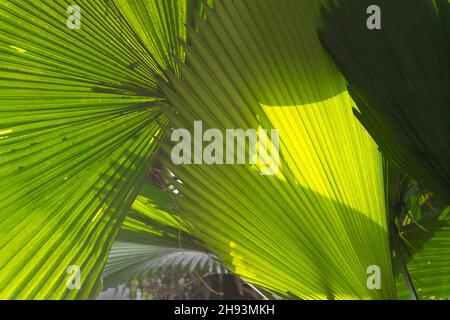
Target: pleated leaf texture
x=134, y=261
x=152, y=220
x=154, y=242
x=399, y=76
x=315, y=228
x=79, y=121
x=428, y=247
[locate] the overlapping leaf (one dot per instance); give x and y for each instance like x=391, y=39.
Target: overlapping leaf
x=154, y=243
x=399, y=77
x=128, y=261
x=313, y=229
x=152, y=221
x=427, y=245
x=78, y=124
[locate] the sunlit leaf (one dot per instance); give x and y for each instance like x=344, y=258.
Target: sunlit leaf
x=313, y=229
x=79, y=121
x=399, y=78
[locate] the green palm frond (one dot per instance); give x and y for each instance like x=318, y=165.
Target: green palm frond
x=128, y=261
x=313, y=229
x=153, y=241
x=160, y=24
x=399, y=78
x=83, y=112
x=152, y=221
x=427, y=245
x=419, y=238
x=79, y=121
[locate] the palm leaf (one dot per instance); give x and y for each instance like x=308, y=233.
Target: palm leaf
x=153, y=241
x=399, y=77
x=160, y=24
x=79, y=113
x=312, y=230
x=428, y=246
x=151, y=221
x=128, y=261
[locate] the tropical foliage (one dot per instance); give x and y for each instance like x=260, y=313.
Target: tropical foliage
x=86, y=114
x=399, y=77
x=152, y=241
